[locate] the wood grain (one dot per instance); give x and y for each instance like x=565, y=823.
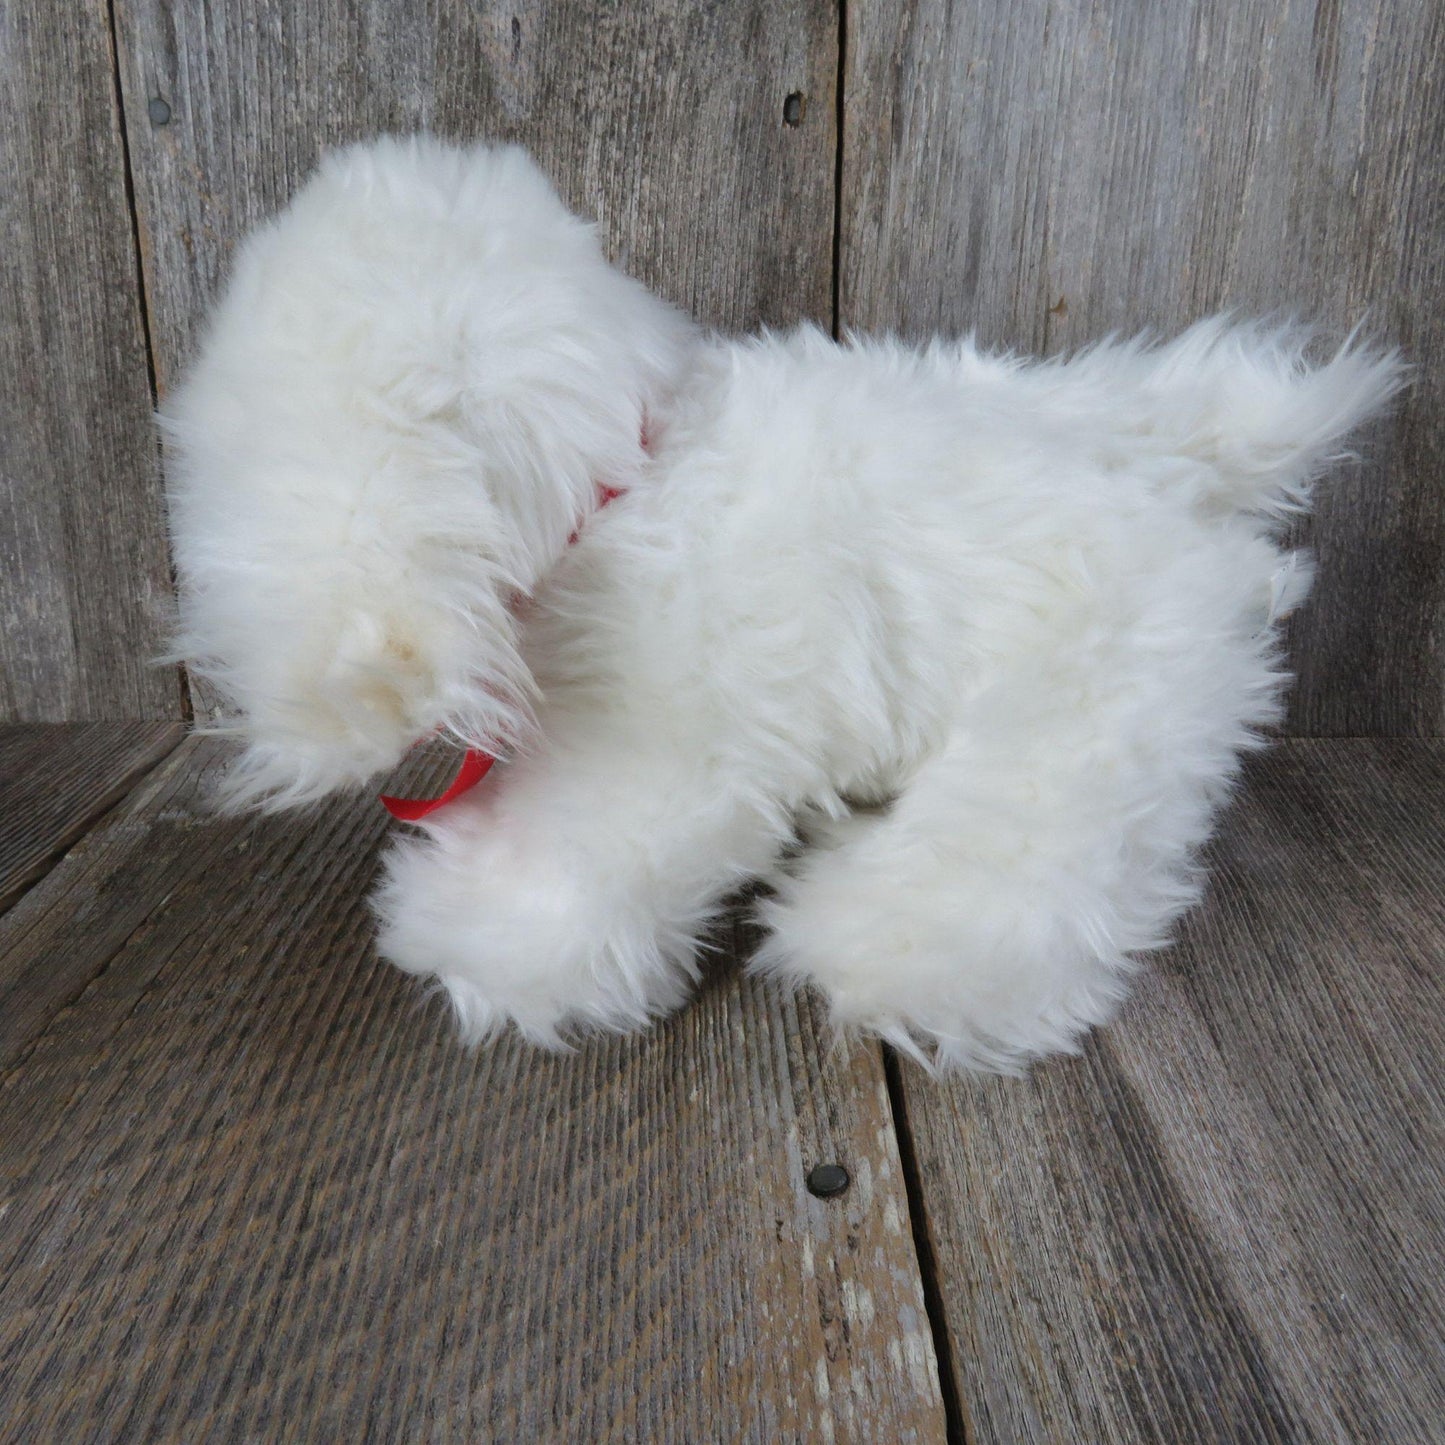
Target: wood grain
x=60, y=935
x=1225, y=1222
x=84, y=578
x=663, y=120
x=1049, y=171
x=253, y=1189
x=58, y=778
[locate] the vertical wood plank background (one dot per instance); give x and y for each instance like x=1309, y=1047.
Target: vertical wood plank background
x=1041, y=172
x=84, y=576
x=1047, y=171
x=664, y=121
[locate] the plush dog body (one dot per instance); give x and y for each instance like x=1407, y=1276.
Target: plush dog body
x=991, y=635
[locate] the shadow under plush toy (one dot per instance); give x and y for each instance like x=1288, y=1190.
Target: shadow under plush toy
x=1028, y=607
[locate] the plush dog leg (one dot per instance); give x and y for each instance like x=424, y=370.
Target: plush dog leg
x=569, y=891
x=990, y=915
x=965, y=925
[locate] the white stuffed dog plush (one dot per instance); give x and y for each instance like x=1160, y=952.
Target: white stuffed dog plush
x=989, y=636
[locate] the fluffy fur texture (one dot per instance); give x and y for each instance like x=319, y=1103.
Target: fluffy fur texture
x=990, y=634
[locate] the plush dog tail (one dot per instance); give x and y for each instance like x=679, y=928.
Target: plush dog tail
x=1248, y=401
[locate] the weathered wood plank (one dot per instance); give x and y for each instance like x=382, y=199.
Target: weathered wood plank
x=1225, y=1222
x=58, y=778
x=59, y=936
x=664, y=120
x=251, y=1188
x=1048, y=171
x=84, y=576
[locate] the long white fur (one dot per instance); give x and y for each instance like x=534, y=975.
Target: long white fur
x=991, y=634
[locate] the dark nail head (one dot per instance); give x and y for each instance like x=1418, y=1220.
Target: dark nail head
x=826, y=1180
x=159, y=111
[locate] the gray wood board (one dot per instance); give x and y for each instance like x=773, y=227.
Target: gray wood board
x=253, y=1188
x=1225, y=1222
x=664, y=121
x=84, y=576
x=1050, y=171
x=56, y=779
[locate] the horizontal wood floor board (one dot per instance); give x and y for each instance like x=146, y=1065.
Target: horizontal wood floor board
x=253, y=1188
x=56, y=779
x=1224, y=1221
x=59, y=937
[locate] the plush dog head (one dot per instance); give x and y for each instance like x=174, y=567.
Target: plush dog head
x=416, y=381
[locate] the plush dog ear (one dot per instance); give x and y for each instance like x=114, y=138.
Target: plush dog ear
x=417, y=378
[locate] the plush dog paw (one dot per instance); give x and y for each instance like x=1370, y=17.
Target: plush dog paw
x=517, y=932
x=931, y=998
x=958, y=967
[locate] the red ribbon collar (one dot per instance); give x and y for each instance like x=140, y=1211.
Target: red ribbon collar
x=476, y=764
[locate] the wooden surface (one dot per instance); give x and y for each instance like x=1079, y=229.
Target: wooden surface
x=663, y=120
x=57, y=778
x=1227, y=1221
x=84, y=578
x=1048, y=171
x=253, y=1189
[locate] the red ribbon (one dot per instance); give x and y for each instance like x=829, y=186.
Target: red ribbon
x=476, y=764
